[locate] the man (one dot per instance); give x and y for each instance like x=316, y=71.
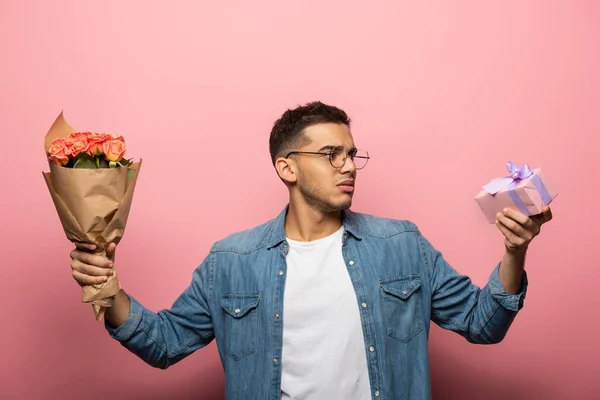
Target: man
x=322, y=302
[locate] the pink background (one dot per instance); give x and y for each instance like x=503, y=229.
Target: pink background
x=442, y=94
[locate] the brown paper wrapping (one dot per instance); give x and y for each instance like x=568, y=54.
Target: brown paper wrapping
x=93, y=206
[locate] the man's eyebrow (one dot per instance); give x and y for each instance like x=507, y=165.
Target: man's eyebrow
x=329, y=147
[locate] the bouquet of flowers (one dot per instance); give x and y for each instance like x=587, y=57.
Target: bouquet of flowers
x=92, y=185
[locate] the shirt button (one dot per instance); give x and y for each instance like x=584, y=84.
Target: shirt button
x=275, y=361
x=351, y=262
x=371, y=349
x=281, y=272
x=377, y=393
x=364, y=305
x=237, y=310
x=276, y=316
x=404, y=292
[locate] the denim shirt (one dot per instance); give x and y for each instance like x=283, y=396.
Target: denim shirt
x=401, y=282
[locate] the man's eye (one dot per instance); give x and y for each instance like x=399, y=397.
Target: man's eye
x=337, y=153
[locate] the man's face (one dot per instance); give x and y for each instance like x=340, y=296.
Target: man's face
x=322, y=185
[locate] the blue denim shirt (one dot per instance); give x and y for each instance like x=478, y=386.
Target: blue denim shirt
x=236, y=297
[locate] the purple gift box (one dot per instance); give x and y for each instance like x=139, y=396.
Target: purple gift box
x=524, y=190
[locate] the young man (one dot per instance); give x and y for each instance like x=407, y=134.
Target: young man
x=322, y=302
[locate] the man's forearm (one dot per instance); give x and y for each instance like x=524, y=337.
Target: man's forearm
x=119, y=312
x=511, y=271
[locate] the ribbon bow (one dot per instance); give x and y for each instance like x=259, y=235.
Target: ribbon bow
x=517, y=174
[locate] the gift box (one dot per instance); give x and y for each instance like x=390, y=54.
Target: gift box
x=524, y=189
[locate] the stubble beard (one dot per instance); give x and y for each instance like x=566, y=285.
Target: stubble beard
x=315, y=198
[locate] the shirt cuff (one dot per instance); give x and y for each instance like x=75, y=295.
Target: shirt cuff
x=512, y=302
x=124, y=332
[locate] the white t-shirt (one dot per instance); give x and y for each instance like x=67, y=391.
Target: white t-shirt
x=323, y=355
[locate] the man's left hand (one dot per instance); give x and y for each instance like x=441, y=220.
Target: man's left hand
x=519, y=229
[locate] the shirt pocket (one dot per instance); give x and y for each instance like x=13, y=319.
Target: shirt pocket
x=402, y=305
x=241, y=324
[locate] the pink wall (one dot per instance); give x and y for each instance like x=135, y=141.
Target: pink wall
x=442, y=94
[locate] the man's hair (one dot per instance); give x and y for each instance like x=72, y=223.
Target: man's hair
x=288, y=131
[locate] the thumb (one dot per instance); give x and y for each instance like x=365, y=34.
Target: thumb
x=110, y=251
x=547, y=213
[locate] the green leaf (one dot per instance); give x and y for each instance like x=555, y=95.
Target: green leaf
x=125, y=162
x=97, y=159
x=84, y=160
x=83, y=155
x=85, y=163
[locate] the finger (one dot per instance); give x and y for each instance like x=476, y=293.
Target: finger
x=510, y=235
x=519, y=217
x=85, y=246
x=547, y=213
x=90, y=269
x=516, y=228
x=91, y=259
x=83, y=279
x=543, y=217
x=110, y=251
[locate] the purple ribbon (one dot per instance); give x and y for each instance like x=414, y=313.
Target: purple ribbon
x=517, y=174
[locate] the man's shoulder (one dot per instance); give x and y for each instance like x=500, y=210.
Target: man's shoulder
x=262, y=236
x=383, y=227
x=247, y=240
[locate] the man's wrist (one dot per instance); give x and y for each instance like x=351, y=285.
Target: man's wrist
x=512, y=269
x=516, y=253
x=119, y=312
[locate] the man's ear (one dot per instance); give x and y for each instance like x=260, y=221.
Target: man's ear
x=286, y=169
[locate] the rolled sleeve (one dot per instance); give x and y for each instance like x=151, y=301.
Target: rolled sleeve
x=165, y=337
x=128, y=328
x=513, y=302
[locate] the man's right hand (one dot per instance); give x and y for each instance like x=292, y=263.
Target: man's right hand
x=92, y=269
x=89, y=268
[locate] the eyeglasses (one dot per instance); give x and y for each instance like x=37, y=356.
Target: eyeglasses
x=338, y=156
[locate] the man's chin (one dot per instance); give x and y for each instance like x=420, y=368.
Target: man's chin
x=343, y=205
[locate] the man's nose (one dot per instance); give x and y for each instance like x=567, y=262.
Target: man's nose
x=349, y=166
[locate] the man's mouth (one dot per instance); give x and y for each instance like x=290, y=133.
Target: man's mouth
x=347, y=185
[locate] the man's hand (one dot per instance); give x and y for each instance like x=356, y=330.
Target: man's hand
x=89, y=268
x=519, y=229
x=93, y=269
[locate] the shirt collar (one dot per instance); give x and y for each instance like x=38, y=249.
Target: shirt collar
x=277, y=234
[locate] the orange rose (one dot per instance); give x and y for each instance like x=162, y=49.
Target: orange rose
x=77, y=147
x=77, y=143
x=114, y=148
x=116, y=137
x=96, y=141
x=58, y=152
x=76, y=137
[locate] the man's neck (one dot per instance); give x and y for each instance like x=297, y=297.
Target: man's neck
x=304, y=223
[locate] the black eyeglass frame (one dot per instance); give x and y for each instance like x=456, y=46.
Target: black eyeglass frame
x=351, y=153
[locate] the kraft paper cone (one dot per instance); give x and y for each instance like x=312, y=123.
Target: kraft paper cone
x=93, y=206
x=59, y=129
